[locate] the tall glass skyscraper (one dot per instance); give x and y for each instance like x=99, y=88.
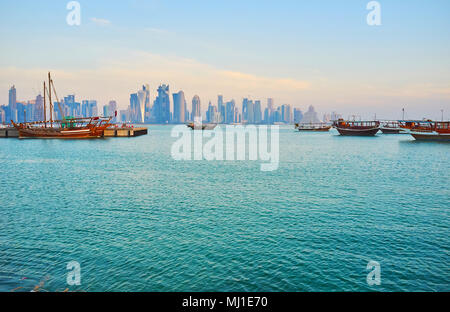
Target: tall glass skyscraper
x=161, y=106
x=196, y=107
x=179, y=106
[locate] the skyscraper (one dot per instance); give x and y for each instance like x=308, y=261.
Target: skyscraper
x=85, y=108
x=161, y=106
x=12, y=103
x=147, y=106
x=39, y=108
x=93, y=109
x=298, y=115
x=112, y=109
x=245, y=109
x=257, y=112
x=286, y=113
x=310, y=116
x=212, y=114
x=134, y=107
x=221, y=109
x=196, y=107
x=179, y=105
x=250, y=112
x=230, y=116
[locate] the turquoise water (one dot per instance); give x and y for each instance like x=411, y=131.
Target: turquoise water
x=137, y=220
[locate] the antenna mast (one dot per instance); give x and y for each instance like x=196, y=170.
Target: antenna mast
x=45, y=107
x=50, y=99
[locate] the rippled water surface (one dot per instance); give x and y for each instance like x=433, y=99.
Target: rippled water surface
x=137, y=220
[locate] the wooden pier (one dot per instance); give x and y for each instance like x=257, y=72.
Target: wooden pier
x=10, y=132
x=108, y=133
x=124, y=132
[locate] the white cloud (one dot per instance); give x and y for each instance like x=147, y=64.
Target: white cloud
x=117, y=78
x=101, y=21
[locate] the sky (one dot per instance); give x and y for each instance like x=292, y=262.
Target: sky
x=320, y=53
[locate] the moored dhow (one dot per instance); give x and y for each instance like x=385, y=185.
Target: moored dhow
x=434, y=131
x=356, y=128
x=408, y=125
x=201, y=126
x=67, y=128
x=391, y=127
x=321, y=126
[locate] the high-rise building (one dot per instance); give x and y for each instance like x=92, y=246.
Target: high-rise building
x=147, y=107
x=298, y=115
x=196, y=107
x=161, y=106
x=179, y=107
x=212, y=114
x=245, y=109
x=134, y=107
x=270, y=105
x=112, y=110
x=286, y=113
x=257, y=112
x=12, y=103
x=93, y=109
x=230, y=116
x=140, y=105
x=250, y=112
x=221, y=109
x=310, y=116
x=39, y=108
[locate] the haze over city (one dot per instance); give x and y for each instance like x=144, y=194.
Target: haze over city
x=299, y=53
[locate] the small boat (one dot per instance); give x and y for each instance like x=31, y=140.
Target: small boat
x=321, y=126
x=391, y=127
x=435, y=131
x=201, y=126
x=357, y=128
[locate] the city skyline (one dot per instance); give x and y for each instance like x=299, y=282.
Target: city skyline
x=300, y=53
x=163, y=110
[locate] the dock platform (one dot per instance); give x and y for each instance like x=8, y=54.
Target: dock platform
x=9, y=132
x=12, y=132
x=124, y=132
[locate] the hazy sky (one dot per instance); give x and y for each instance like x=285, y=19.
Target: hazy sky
x=298, y=52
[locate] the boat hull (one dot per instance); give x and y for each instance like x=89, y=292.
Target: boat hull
x=52, y=133
x=326, y=129
x=392, y=131
x=357, y=132
x=431, y=137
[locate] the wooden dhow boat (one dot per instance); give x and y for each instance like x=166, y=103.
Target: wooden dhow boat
x=201, y=126
x=321, y=127
x=356, y=128
x=408, y=125
x=435, y=131
x=67, y=128
x=391, y=127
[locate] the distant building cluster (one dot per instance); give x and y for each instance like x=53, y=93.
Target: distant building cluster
x=165, y=109
x=33, y=110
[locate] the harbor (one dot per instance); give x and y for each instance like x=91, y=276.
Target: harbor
x=328, y=189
